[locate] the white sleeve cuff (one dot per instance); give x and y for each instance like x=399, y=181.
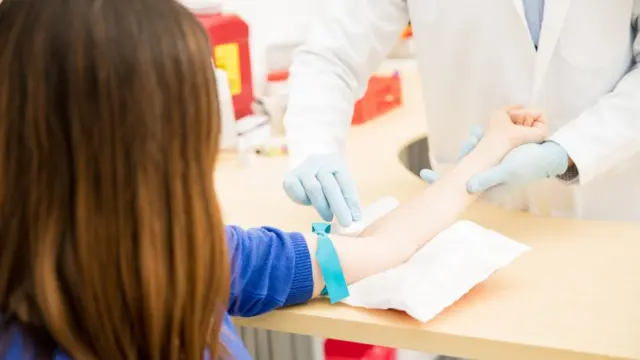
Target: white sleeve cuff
x=575, y=143
x=301, y=147
x=571, y=176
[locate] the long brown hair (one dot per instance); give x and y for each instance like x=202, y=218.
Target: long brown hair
x=111, y=239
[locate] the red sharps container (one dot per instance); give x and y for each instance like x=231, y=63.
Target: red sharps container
x=229, y=37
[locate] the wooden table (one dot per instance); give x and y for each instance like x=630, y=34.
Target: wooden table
x=576, y=295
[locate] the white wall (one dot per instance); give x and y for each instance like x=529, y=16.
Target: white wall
x=272, y=22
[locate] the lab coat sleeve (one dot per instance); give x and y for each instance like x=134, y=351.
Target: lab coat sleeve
x=608, y=133
x=347, y=43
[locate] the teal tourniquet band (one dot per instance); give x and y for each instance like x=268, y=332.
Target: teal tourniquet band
x=336, y=285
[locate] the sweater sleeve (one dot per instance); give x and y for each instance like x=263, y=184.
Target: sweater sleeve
x=269, y=269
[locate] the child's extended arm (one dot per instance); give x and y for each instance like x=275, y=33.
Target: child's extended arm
x=395, y=238
x=272, y=268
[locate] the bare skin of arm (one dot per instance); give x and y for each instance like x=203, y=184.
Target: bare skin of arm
x=395, y=238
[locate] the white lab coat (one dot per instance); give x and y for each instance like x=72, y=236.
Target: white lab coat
x=475, y=56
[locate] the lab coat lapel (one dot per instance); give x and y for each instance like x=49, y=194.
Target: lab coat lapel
x=519, y=5
x=555, y=13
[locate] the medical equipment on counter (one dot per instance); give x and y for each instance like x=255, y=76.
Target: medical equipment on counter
x=228, y=132
x=275, y=146
x=253, y=132
x=276, y=99
x=229, y=37
x=279, y=58
x=384, y=93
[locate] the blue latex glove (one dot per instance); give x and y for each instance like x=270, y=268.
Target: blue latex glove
x=475, y=135
x=525, y=164
x=324, y=182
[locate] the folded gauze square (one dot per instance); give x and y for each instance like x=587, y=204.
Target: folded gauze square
x=439, y=274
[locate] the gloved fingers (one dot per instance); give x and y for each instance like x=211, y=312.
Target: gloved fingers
x=487, y=179
x=555, y=157
x=476, y=132
x=474, y=138
x=429, y=176
x=350, y=194
x=315, y=192
x=335, y=198
x=294, y=189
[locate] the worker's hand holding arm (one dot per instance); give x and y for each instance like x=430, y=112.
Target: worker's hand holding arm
x=329, y=73
x=418, y=221
x=524, y=164
x=608, y=133
x=602, y=137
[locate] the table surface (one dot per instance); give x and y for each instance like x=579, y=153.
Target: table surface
x=576, y=295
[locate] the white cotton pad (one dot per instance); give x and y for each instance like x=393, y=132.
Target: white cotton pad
x=354, y=229
x=370, y=215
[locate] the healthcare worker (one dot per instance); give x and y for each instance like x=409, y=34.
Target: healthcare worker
x=575, y=60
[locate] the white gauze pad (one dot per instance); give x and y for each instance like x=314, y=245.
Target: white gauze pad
x=439, y=274
x=370, y=214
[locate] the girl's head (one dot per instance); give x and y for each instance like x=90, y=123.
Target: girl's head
x=111, y=241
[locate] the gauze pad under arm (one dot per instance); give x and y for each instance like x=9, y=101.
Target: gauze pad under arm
x=439, y=274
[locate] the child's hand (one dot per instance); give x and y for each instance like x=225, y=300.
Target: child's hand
x=508, y=128
x=518, y=125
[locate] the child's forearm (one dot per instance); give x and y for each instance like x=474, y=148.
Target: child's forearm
x=395, y=238
x=419, y=220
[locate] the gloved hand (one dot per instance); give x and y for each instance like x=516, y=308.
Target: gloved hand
x=475, y=136
x=524, y=164
x=324, y=182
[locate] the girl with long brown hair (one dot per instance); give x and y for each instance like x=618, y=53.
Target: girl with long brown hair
x=112, y=244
